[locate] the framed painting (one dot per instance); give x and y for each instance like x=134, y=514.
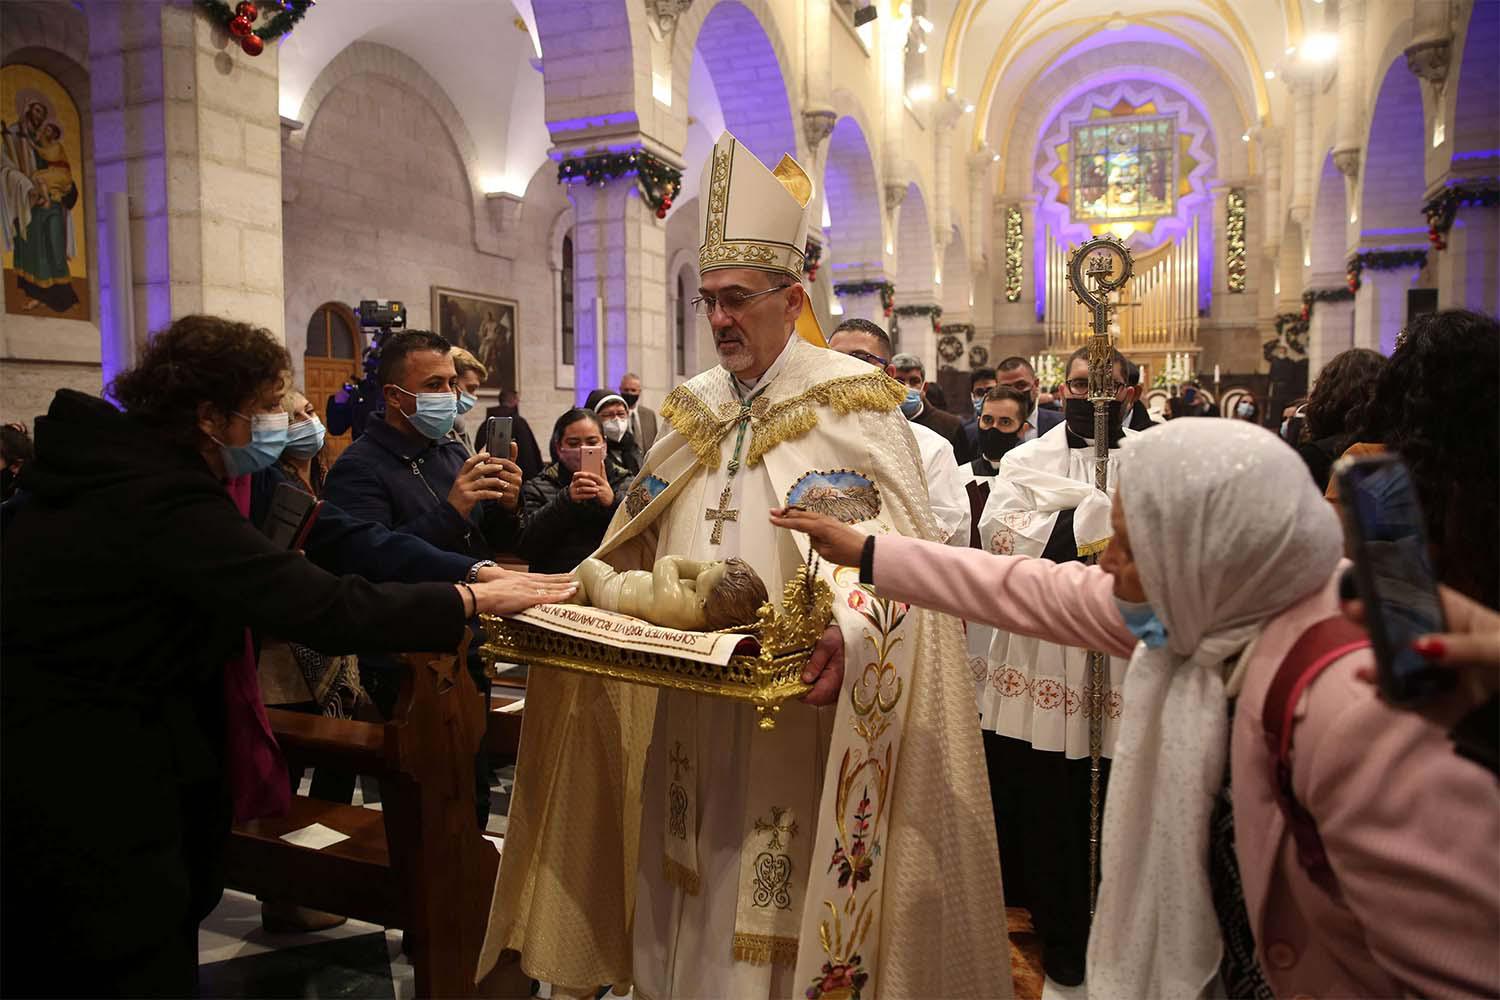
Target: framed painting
x=483, y=325
x=46, y=259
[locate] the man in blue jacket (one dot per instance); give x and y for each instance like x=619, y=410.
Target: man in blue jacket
x=407, y=474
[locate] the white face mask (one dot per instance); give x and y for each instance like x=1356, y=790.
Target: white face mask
x=615, y=428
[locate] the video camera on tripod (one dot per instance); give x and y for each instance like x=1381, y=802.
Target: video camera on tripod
x=360, y=397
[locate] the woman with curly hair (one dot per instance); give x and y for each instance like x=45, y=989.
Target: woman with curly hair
x=132, y=581
x=1436, y=403
x=1340, y=393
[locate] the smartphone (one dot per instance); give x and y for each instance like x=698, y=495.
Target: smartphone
x=497, y=431
x=290, y=517
x=1394, y=571
x=593, y=460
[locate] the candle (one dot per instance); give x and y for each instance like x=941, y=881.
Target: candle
x=1216, y=373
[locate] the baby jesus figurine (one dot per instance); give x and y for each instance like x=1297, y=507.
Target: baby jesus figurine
x=687, y=594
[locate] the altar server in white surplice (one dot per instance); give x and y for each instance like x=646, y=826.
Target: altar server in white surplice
x=1033, y=695
x=660, y=839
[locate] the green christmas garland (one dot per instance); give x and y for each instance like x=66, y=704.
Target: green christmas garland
x=288, y=13
x=1313, y=296
x=812, y=257
x=659, y=183
x=1442, y=208
x=1382, y=260
x=885, y=288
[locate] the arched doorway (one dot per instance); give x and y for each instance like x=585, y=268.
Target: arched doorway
x=335, y=345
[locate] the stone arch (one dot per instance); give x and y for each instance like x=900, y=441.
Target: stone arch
x=1475, y=121
x=958, y=283
x=362, y=58
x=748, y=62
x=852, y=194
x=57, y=27
x=915, y=257
x=1393, y=174
x=1160, y=64
x=584, y=83
x=1326, y=249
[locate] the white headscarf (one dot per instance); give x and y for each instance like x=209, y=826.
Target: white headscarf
x=1227, y=529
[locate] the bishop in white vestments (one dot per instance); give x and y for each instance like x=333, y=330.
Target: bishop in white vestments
x=662, y=840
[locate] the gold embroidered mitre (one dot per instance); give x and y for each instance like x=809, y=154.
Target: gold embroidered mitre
x=754, y=217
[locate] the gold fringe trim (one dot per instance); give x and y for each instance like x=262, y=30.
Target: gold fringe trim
x=785, y=421
x=790, y=419
x=763, y=949
x=691, y=417
x=1092, y=548
x=679, y=875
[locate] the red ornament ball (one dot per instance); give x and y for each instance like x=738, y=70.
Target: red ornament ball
x=239, y=26
x=661, y=211
x=253, y=45
x=247, y=10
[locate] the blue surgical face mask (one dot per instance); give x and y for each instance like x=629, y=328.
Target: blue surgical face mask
x=435, y=414
x=268, y=433
x=912, y=404
x=1143, y=624
x=305, y=439
x=465, y=402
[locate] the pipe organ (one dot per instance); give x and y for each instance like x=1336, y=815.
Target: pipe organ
x=1158, y=311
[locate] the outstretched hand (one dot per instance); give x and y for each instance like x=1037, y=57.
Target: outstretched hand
x=831, y=539
x=825, y=668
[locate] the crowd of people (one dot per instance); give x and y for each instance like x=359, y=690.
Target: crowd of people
x=144, y=612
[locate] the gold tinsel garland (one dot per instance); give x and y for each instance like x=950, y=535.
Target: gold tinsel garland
x=1014, y=254
x=1234, y=239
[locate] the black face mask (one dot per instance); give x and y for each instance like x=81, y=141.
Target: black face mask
x=631, y=398
x=1079, y=413
x=994, y=443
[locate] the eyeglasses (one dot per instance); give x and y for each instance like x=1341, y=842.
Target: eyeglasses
x=732, y=300
x=1080, y=387
x=870, y=359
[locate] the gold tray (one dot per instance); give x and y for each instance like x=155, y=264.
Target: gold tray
x=765, y=679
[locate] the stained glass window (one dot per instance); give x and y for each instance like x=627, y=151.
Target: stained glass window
x=1124, y=168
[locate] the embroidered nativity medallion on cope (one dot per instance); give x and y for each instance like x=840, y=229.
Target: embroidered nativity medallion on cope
x=842, y=494
x=642, y=493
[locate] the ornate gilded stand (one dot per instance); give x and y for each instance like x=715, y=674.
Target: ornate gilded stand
x=767, y=673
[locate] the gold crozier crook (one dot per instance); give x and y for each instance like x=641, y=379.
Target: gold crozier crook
x=1091, y=274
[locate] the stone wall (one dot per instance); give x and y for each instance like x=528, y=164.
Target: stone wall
x=383, y=208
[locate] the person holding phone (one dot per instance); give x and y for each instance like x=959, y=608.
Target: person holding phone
x=566, y=508
x=1220, y=566
x=133, y=592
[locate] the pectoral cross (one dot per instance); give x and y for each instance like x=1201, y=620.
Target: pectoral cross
x=721, y=514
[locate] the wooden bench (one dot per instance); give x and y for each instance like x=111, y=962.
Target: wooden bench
x=419, y=863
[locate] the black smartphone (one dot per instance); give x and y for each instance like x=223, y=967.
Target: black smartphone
x=1394, y=571
x=290, y=516
x=497, y=432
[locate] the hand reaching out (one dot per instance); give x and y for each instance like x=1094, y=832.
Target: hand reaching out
x=831, y=539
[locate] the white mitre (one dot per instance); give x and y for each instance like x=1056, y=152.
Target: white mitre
x=754, y=217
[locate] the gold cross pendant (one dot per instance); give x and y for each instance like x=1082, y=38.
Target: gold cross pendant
x=720, y=515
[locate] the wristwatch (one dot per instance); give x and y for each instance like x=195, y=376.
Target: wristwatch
x=473, y=575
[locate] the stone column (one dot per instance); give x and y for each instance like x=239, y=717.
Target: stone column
x=949, y=110
x=1329, y=331
x=1270, y=152
x=866, y=306
x=1468, y=271
x=1351, y=75
x=981, y=195
x=1380, y=307
x=1304, y=154
x=188, y=125
x=619, y=262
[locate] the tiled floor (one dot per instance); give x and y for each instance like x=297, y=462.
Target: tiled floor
x=239, y=959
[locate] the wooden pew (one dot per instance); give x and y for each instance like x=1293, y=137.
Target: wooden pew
x=419, y=863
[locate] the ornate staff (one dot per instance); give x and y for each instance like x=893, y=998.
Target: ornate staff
x=1093, y=264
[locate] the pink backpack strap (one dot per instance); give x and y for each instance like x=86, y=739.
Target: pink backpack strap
x=1316, y=649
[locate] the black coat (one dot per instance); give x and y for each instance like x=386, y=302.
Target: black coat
x=129, y=578
x=556, y=533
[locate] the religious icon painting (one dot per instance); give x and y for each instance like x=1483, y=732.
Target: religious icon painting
x=642, y=493
x=841, y=494
x=46, y=261
x=484, y=325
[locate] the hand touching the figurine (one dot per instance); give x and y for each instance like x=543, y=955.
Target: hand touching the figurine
x=833, y=540
x=492, y=574
x=825, y=668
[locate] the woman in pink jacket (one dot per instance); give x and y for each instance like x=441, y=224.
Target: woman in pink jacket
x=1224, y=554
